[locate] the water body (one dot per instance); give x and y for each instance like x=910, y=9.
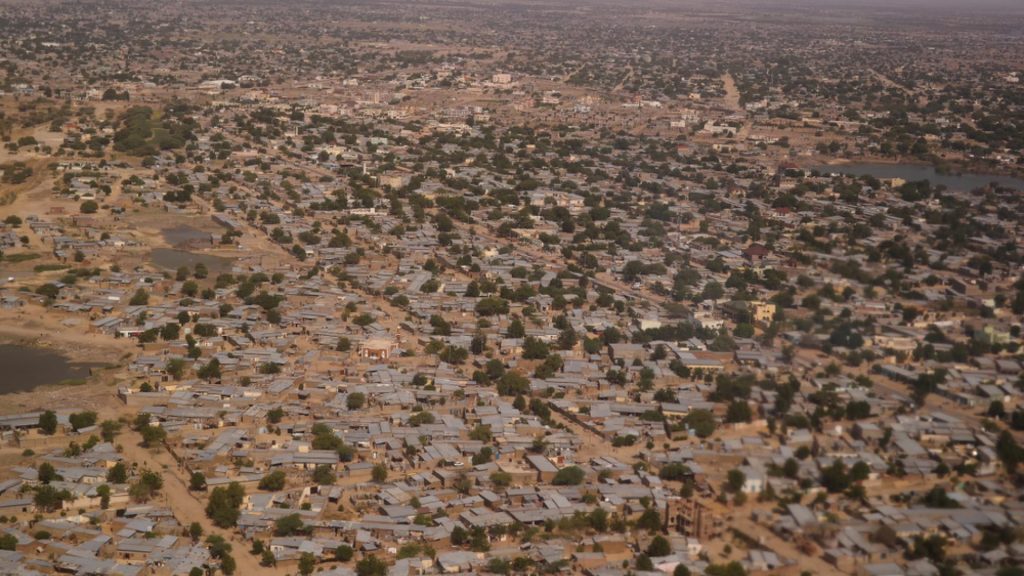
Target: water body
x=914, y=172
x=25, y=367
x=172, y=259
x=180, y=236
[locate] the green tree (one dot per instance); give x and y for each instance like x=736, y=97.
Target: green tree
x=738, y=411
x=379, y=473
x=371, y=566
x=860, y=471
x=146, y=487
x=175, y=368
x=731, y=569
x=195, y=531
x=80, y=420
x=484, y=456
x=674, y=471
x=139, y=298
x=355, y=400
x=48, y=422
x=790, y=468
x=701, y=421
x=649, y=520
x=932, y=547
x=834, y=478
x=343, y=553
x=267, y=558
x=324, y=475
x=224, y=503
x=735, y=479
x=103, y=491
x=743, y=330
x=478, y=541
x=170, y=331
x=47, y=498
x=49, y=290
x=569, y=476
x=1009, y=451
x=516, y=329
x=46, y=473
x=513, y=383
x=273, y=481
x=211, y=371
x=534, y=349
x=858, y=410
x=659, y=546
x=481, y=433
x=289, y=525
x=938, y=498
x=492, y=306
x=152, y=436
x=275, y=415
x=307, y=563
x=218, y=546
x=228, y=565
x=109, y=430
x=117, y=474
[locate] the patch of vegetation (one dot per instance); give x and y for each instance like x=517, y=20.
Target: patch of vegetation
x=52, y=267
x=142, y=132
x=16, y=173
x=22, y=257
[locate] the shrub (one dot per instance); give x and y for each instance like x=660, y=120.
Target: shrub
x=569, y=476
x=273, y=481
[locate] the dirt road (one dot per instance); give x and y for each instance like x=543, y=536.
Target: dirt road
x=732, y=93
x=184, y=505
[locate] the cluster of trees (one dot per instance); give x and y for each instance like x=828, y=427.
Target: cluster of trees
x=220, y=550
x=325, y=439
x=146, y=486
x=569, y=476
x=111, y=94
x=15, y=173
x=140, y=133
x=273, y=481
x=634, y=269
x=224, y=503
x=701, y=421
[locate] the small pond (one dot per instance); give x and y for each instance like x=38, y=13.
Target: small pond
x=26, y=367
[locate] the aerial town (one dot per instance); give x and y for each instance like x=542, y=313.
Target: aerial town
x=489, y=287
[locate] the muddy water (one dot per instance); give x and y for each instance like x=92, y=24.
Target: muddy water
x=916, y=172
x=182, y=236
x=25, y=367
x=173, y=259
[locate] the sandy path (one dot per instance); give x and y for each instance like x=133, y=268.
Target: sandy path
x=732, y=93
x=185, y=506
